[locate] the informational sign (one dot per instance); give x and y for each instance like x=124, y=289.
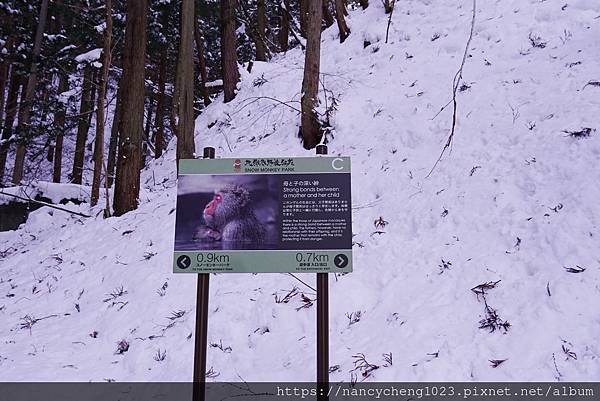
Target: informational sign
x=269, y=215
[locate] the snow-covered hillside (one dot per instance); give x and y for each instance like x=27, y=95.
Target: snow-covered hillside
x=515, y=202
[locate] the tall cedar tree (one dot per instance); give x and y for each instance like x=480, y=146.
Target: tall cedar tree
x=99, y=142
x=4, y=67
x=199, y=39
x=11, y=112
x=185, y=83
x=229, y=64
x=284, y=25
x=114, y=138
x=311, y=134
x=83, y=126
x=127, y=186
x=59, y=126
x=26, y=103
x=159, y=118
x=261, y=26
x=340, y=11
x=304, y=15
x=327, y=17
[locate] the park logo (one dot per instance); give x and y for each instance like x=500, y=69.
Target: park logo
x=237, y=165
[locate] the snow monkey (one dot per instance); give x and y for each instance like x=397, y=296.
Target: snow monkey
x=230, y=217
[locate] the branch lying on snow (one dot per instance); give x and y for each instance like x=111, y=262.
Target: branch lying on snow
x=387, y=31
x=455, y=85
x=28, y=199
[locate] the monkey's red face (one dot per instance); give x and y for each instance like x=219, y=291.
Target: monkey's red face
x=210, y=208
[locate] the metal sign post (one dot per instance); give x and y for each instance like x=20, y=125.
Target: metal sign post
x=200, y=345
x=322, y=324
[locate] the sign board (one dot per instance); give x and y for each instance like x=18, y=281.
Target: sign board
x=270, y=215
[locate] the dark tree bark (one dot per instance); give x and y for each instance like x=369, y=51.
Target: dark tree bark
x=229, y=64
x=43, y=116
x=147, y=129
x=99, y=141
x=304, y=15
x=127, y=186
x=327, y=17
x=256, y=26
x=311, y=133
x=185, y=83
x=114, y=139
x=364, y=4
x=261, y=26
x=61, y=112
x=340, y=11
x=29, y=95
x=5, y=64
x=59, y=125
x=199, y=39
x=94, y=89
x=159, y=120
x=4, y=67
x=11, y=112
x=83, y=126
x=284, y=29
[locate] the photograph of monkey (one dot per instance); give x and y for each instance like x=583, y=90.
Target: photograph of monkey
x=222, y=212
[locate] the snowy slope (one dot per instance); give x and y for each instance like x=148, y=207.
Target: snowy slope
x=516, y=200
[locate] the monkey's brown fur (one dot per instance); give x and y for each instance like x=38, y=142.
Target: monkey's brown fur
x=230, y=217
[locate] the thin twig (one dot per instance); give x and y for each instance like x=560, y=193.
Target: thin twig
x=455, y=85
x=387, y=31
x=291, y=274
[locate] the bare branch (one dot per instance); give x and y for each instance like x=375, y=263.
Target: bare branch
x=455, y=85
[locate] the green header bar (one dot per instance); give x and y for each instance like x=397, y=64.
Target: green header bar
x=272, y=165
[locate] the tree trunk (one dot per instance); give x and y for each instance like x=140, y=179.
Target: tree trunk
x=340, y=11
x=261, y=26
x=311, y=134
x=5, y=64
x=4, y=67
x=99, y=142
x=43, y=115
x=185, y=83
x=61, y=111
x=327, y=17
x=11, y=112
x=114, y=138
x=29, y=94
x=284, y=30
x=147, y=129
x=127, y=186
x=159, y=121
x=201, y=61
x=83, y=126
x=59, y=123
x=304, y=15
x=231, y=75
x=94, y=87
x=364, y=4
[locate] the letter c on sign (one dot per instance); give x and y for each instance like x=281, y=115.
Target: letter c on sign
x=335, y=164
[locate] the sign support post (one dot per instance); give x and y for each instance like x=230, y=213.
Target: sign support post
x=200, y=345
x=322, y=324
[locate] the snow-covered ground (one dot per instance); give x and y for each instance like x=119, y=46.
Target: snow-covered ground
x=516, y=200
